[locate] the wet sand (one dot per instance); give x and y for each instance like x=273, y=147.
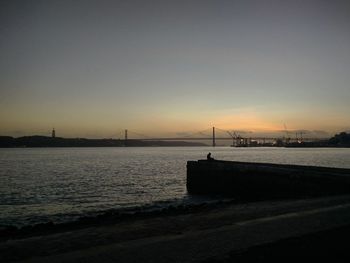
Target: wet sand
x=223, y=232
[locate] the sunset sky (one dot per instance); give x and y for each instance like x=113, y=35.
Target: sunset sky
x=94, y=68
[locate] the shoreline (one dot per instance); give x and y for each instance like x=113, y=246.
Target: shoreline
x=109, y=217
x=198, y=234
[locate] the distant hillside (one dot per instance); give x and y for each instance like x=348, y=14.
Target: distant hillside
x=43, y=141
x=339, y=140
x=342, y=139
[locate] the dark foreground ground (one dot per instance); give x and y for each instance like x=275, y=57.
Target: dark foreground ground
x=283, y=231
x=324, y=246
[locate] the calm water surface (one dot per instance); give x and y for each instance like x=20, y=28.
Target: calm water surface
x=61, y=184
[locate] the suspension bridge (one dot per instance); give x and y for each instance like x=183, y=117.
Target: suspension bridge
x=215, y=134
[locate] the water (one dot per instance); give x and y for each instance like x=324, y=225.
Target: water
x=61, y=184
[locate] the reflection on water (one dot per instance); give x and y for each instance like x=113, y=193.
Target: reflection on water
x=37, y=185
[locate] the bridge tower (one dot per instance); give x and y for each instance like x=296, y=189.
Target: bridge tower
x=214, y=137
x=126, y=135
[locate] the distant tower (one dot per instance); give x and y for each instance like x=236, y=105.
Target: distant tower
x=126, y=138
x=214, y=144
x=53, y=134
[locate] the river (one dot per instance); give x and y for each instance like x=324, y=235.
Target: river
x=62, y=184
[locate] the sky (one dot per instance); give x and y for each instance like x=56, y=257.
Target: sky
x=161, y=68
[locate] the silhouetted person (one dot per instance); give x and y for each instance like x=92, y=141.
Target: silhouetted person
x=209, y=158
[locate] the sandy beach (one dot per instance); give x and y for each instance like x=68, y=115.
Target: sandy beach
x=217, y=232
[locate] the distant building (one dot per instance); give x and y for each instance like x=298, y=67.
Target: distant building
x=53, y=134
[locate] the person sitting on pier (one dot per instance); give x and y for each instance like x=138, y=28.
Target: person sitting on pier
x=209, y=158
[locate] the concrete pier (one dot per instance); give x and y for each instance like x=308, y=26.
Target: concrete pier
x=258, y=181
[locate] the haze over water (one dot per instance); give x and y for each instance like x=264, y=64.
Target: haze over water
x=63, y=184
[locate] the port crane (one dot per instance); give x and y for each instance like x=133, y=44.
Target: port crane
x=238, y=140
x=287, y=133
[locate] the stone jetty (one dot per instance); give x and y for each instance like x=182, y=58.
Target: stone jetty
x=258, y=181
